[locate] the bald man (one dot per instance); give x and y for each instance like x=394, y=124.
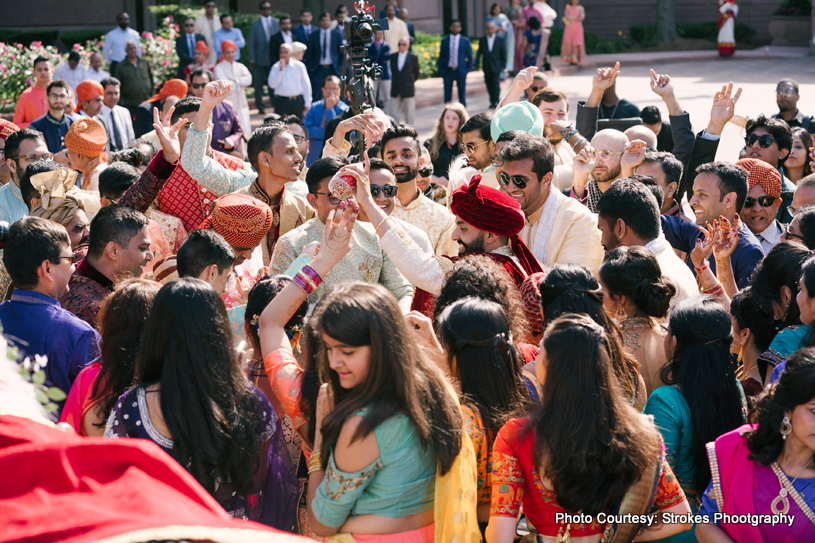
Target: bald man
x=643, y=133
x=597, y=166
x=292, y=86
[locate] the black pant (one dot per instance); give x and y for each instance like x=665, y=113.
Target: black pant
x=493, y=82
x=261, y=79
x=284, y=105
x=460, y=77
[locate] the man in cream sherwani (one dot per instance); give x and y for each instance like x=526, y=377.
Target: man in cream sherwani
x=558, y=229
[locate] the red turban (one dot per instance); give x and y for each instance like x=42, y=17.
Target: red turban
x=761, y=173
x=240, y=219
x=7, y=128
x=87, y=90
x=202, y=46
x=173, y=87
x=531, y=295
x=86, y=137
x=493, y=211
x=227, y=44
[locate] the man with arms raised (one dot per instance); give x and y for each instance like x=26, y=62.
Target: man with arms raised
x=597, y=166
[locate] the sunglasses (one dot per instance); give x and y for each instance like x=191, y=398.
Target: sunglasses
x=535, y=89
x=71, y=259
x=189, y=25
x=789, y=234
x=471, y=147
x=764, y=201
x=764, y=141
x=519, y=181
x=424, y=172
x=333, y=200
x=199, y=85
x=388, y=190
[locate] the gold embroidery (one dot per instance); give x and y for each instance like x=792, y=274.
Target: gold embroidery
x=445, y=263
x=716, y=491
x=347, y=483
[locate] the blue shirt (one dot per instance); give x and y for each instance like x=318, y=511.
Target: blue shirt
x=12, y=207
x=38, y=325
x=220, y=36
x=682, y=235
x=53, y=130
x=316, y=120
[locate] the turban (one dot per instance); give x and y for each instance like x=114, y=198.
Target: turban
x=59, y=197
x=87, y=90
x=202, y=46
x=166, y=269
x=86, y=137
x=518, y=116
x=531, y=295
x=240, y=219
x=493, y=211
x=7, y=128
x=173, y=87
x=761, y=173
x=227, y=44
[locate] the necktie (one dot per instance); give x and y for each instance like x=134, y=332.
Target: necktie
x=117, y=137
x=326, y=53
x=453, y=52
x=191, y=44
x=266, y=27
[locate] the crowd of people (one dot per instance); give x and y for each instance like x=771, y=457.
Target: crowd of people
x=521, y=327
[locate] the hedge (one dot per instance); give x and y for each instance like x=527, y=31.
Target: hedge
x=28, y=37
x=80, y=37
x=646, y=35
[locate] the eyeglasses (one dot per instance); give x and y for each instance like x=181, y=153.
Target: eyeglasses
x=2, y=153
x=188, y=25
x=535, y=89
x=785, y=92
x=764, y=201
x=792, y=211
x=497, y=162
x=333, y=200
x=71, y=259
x=388, y=190
x=299, y=139
x=34, y=157
x=53, y=96
x=471, y=147
x=605, y=155
x=519, y=181
x=789, y=234
x=764, y=141
x=199, y=85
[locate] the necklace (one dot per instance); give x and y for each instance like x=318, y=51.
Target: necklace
x=788, y=489
x=603, y=109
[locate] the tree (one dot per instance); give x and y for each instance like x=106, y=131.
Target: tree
x=666, y=21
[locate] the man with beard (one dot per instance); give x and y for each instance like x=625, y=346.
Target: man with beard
x=557, y=229
x=763, y=202
x=402, y=152
x=628, y=214
x=597, y=166
x=786, y=96
x=476, y=140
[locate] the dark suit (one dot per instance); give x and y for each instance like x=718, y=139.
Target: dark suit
x=403, y=87
x=314, y=55
x=259, y=54
x=494, y=62
x=458, y=74
x=411, y=32
x=274, y=46
x=185, y=55
x=300, y=35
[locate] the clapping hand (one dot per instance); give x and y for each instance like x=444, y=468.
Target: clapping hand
x=168, y=134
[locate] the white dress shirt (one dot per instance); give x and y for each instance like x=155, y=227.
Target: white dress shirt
x=115, y=41
x=295, y=82
x=72, y=77
x=123, y=123
x=770, y=237
x=90, y=73
x=490, y=42
x=287, y=38
x=400, y=60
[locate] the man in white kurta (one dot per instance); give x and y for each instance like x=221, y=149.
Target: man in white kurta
x=239, y=77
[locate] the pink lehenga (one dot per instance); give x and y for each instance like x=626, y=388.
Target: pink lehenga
x=573, y=47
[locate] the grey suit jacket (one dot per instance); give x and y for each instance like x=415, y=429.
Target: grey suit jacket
x=259, y=43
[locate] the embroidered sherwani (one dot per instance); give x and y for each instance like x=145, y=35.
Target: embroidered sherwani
x=436, y=220
x=365, y=262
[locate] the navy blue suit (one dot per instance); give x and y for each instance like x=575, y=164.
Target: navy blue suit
x=299, y=33
x=459, y=75
x=316, y=71
x=185, y=56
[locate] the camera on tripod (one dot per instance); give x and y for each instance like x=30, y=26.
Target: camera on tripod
x=359, y=32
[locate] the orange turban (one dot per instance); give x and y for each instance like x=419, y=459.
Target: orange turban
x=86, y=137
x=761, y=173
x=202, y=46
x=87, y=90
x=7, y=128
x=227, y=44
x=173, y=87
x=240, y=219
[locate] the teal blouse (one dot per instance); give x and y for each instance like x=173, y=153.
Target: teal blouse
x=401, y=482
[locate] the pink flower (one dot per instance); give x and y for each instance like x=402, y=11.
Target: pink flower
x=13, y=57
x=164, y=63
x=77, y=47
x=170, y=17
x=29, y=81
x=167, y=51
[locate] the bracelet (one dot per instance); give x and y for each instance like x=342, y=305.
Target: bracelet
x=315, y=464
x=716, y=290
x=703, y=268
x=578, y=142
x=569, y=134
x=301, y=280
x=565, y=128
x=376, y=230
x=313, y=275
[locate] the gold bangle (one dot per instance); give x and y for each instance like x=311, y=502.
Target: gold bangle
x=376, y=230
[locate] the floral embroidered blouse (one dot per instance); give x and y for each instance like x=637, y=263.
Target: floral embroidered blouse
x=483, y=441
x=515, y=481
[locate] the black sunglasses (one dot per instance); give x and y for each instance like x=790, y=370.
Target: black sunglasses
x=764, y=140
x=764, y=201
x=388, y=190
x=519, y=182
x=57, y=259
x=333, y=200
x=199, y=85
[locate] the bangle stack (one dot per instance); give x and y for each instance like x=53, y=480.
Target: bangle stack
x=569, y=134
x=703, y=268
x=578, y=142
x=717, y=290
x=307, y=279
x=315, y=464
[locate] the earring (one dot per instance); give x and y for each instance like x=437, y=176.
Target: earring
x=786, y=427
x=619, y=314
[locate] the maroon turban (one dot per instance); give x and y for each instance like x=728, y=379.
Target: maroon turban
x=493, y=211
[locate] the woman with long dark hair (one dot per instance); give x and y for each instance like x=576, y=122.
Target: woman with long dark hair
x=475, y=336
x=97, y=388
x=584, y=449
x=195, y=402
x=797, y=166
x=801, y=336
x=775, y=287
x=571, y=288
x=703, y=399
x=753, y=332
x=769, y=468
x=637, y=296
x=802, y=228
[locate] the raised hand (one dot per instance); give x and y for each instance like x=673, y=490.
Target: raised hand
x=168, y=134
x=364, y=122
x=704, y=245
x=727, y=238
x=661, y=84
x=556, y=127
x=724, y=106
x=338, y=235
x=584, y=163
x=633, y=156
x=524, y=78
x=605, y=77
x=214, y=93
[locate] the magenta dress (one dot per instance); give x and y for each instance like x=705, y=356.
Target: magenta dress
x=573, y=47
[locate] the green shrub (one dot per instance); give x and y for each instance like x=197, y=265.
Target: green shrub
x=795, y=8
x=555, y=41
x=424, y=38
x=709, y=31
x=645, y=35
x=80, y=37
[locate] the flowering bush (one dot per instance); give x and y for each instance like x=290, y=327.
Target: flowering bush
x=17, y=68
x=159, y=50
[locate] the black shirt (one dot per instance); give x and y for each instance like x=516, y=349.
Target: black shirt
x=665, y=140
x=447, y=153
x=623, y=109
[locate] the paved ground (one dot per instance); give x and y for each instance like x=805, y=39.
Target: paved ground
x=696, y=74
